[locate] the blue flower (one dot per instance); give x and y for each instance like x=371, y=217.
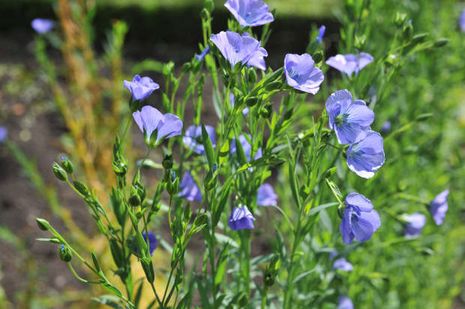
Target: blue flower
x=193, y=138
x=342, y=264
x=386, y=127
x=150, y=120
x=321, y=34
x=151, y=241
x=266, y=196
x=301, y=73
x=250, y=13
x=350, y=63
x=141, y=87
x=246, y=147
x=3, y=134
x=360, y=220
x=366, y=156
x=202, y=55
x=241, y=219
x=242, y=49
x=189, y=189
x=438, y=207
x=350, y=119
x=345, y=302
x=42, y=25
x=462, y=21
x=414, y=224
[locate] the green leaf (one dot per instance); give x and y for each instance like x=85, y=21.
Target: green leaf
x=109, y=300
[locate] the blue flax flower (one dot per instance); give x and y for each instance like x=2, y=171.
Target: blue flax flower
x=439, y=207
x=266, y=196
x=202, y=55
x=189, y=189
x=141, y=87
x=242, y=49
x=250, y=13
x=42, y=25
x=342, y=264
x=241, y=219
x=321, y=34
x=462, y=21
x=350, y=63
x=150, y=120
x=414, y=223
x=151, y=241
x=246, y=147
x=3, y=134
x=366, y=156
x=302, y=74
x=345, y=302
x=193, y=138
x=386, y=127
x=360, y=220
x=350, y=119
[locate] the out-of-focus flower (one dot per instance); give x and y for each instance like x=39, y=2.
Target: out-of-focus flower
x=350, y=119
x=250, y=13
x=150, y=120
x=350, y=63
x=438, y=207
x=202, y=55
x=462, y=21
x=321, y=34
x=151, y=241
x=42, y=25
x=345, y=302
x=242, y=49
x=360, y=219
x=386, y=128
x=266, y=196
x=246, y=147
x=141, y=87
x=3, y=134
x=189, y=189
x=414, y=224
x=302, y=74
x=241, y=219
x=193, y=138
x=342, y=264
x=366, y=156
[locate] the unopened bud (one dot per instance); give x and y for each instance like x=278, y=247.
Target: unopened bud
x=64, y=253
x=167, y=162
x=43, y=224
x=59, y=172
x=66, y=164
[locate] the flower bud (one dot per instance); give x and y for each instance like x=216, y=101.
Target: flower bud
x=120, y=168
x=43, y=224
x=167, y=162
x=66, y=164
x=209, y=5
x=134, y=200
x=318, y=57
x=441, y=42
x=81, y=188
x=251, y=101
x=59, y=172
x=266, y=110
x=205, y=14
x=64, y=253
